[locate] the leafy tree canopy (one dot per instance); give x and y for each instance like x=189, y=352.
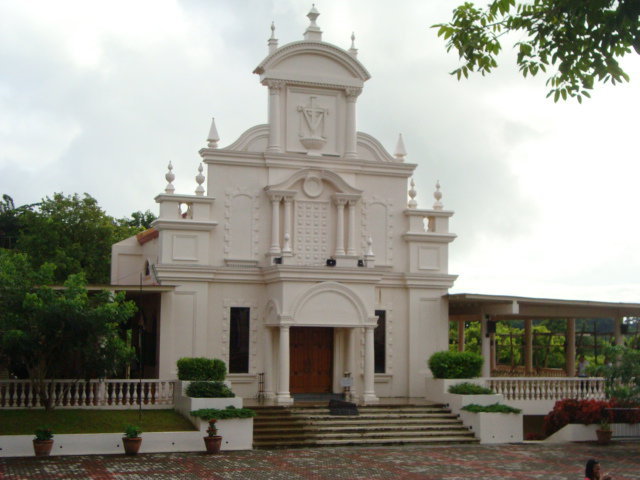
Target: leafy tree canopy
x=51, y=331
x=72, y=232
x=578, y=41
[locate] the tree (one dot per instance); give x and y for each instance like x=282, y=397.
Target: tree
x=579, y=41
x=622, y=374
x=73, y=233
x=52, y=332
x=141, y=220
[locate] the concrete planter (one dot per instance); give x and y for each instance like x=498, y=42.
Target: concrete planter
x=456, y=401
x=494, y=427
x=438, y=388
x=185, y=405
x=237, y=434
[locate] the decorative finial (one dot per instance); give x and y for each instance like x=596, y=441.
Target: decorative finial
x=400, y=152
x=353, y=51
x=412, y=194
x=200, y=181
x=313, y=32
x=437, y=195
x=213, y=135
x=369, y=246
x=170, y=177
x=273, y=41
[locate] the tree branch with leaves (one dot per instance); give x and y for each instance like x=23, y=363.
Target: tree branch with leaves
x=576, y=42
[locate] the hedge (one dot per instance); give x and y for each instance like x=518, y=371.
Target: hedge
x=225, y=414
x=467, y=388
x=209, y=390
x=495, y=408
x=448, y=364
x=200, y=368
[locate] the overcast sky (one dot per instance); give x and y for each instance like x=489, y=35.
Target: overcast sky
x=99, y=96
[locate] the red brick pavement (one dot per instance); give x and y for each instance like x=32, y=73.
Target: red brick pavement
x=457, y=462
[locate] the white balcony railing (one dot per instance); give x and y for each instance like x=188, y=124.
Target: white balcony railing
x=92, y=394
x=548, y=388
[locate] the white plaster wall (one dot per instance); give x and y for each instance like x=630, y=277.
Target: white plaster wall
x=428, y=333
x=237, y=434
x=494, y=427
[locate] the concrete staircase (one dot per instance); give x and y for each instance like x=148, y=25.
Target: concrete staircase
x=307, y=426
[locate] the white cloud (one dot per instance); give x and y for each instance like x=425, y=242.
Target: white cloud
x=100, y=96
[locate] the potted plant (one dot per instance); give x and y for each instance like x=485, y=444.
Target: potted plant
x=212, y=441
x=604, y=432
x=43, y=442
x=131, y=439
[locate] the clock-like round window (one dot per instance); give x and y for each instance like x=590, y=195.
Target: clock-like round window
x=312, y=186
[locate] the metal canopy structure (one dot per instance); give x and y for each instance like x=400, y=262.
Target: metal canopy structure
x=503, y=307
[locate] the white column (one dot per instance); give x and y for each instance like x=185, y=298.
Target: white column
x=570, y=352
x=351, y=232
x=348, y=357
x=369, y=394
x=275, y=224
x=283, y=396
x=351, y=145
x=340, y=227
x=287, y=223
x=485, y=347
x=268, y=363
x=274, y=116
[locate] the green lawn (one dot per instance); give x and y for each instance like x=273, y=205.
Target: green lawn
x=24, y=422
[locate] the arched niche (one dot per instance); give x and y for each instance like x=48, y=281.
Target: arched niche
x=329, y=304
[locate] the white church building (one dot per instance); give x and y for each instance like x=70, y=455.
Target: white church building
x=305, y=263
x=302, y=259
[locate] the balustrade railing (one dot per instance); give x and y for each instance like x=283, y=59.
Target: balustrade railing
x=90, y=394
x=548, y=388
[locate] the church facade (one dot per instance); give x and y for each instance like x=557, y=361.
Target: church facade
x=305, y=263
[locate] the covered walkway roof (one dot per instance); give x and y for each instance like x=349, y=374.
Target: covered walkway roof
x=504, y=307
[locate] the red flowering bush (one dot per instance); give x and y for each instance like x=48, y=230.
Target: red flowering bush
x=576, y=411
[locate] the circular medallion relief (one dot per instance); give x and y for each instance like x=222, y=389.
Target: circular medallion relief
x=312, y=186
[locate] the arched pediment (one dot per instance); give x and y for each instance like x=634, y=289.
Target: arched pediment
x=294, y=61
x=252, y=140
x=331, y=304
x=369, y=148
x=333, y=178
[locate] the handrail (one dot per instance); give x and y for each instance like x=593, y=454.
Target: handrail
x=548, y=388
x=72, y=393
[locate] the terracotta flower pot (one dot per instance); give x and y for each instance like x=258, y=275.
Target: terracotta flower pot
x=42, y=448
x=131, y=445
x=604, y=436
x=213, y=443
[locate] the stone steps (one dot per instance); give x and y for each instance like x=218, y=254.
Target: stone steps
x=280, y=427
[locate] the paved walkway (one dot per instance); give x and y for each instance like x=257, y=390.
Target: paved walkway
x=522, y=461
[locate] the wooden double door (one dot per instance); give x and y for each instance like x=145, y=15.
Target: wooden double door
x=311, y=360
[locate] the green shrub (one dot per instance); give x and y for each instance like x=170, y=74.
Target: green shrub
x=495, y=408
x=225, y=414
x=209, y=390
x=455, y=364
x=467, y=388
x=200, y=368
x=132, y=431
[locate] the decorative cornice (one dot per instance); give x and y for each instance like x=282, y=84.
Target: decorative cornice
x=183, y=224
x=429, y=237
